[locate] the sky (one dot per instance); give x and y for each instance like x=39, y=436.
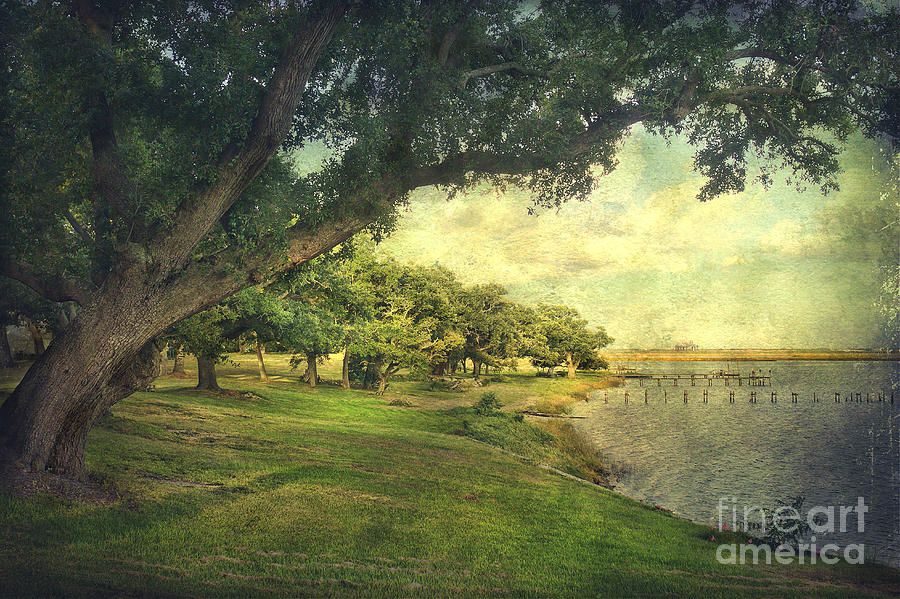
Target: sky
x=776, y=268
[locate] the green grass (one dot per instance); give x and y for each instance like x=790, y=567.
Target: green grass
x=330, y=493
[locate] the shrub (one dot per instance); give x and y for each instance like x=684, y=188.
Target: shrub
x=488, y=405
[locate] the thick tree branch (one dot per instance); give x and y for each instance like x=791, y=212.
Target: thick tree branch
x=111, y=185
x=79, y=230
x=52, y=287
x=237, y=168
x=515, y=66
x=497, y=68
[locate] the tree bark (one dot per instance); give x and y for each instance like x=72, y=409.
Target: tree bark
x=164, y=360
x=571, y=364
x=263, y=375
x=6, y=359
x=312, y=374
x=36, y=336
x=345, y=370
x=206, y=374
x=370, y=376
x=51, y=433
x=178, y=367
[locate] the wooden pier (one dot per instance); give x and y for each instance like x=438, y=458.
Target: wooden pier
x=753, y=397
x=753, y=380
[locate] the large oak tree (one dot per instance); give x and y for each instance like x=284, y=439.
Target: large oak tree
x=153, y=139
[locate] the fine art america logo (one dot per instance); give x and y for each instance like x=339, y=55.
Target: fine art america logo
x=788, y=534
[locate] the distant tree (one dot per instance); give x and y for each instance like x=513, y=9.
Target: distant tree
x=563, y=337
x=401, y=330
x=489, y=326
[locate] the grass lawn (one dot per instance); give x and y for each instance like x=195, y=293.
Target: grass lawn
x=322, y=492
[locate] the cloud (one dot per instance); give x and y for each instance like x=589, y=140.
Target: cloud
x=765, y=267
x=790, y=238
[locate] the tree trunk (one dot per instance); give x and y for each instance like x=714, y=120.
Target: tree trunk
x=45, y=426
x=476, y=369
x=164, y=360
x=345, y=370
x=178, y=367
x=464, y=365
x=369, y=377
x=263, y=375
x=312, y=373
x=6, y=359
x=571, y=364
x=36, y=336
x=206, y=374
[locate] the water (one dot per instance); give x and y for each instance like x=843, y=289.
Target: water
x=685, y=457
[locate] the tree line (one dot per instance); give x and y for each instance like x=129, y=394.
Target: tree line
x=384, y=316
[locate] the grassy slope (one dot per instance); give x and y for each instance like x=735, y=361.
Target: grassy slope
x=324, y=492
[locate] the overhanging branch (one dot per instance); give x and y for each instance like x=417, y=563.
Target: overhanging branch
x=238, y=167
x=52, y=287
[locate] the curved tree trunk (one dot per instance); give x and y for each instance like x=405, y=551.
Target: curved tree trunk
x=263, y=375
x=345, y=370
x=51, y=433
x=178, y=367
x=6, y=359
x=206, y=374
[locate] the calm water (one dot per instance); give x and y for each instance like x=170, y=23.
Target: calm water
x=685, y=457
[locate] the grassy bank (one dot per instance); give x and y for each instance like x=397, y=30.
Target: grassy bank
x=299, y=492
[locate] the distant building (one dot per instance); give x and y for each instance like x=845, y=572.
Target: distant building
x=687, y=346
